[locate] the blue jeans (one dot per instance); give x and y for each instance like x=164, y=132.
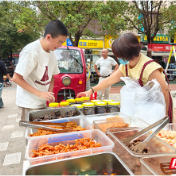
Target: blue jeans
x=1, y=102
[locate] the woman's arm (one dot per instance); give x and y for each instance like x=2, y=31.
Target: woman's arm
x=114, y=78
x=165, y=89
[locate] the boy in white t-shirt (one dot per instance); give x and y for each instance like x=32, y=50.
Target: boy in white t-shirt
x=36, y=67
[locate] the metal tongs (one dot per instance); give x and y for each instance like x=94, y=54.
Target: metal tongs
x=43, y=126
x=140, y=147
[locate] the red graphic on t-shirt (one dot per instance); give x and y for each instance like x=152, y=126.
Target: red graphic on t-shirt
x=44, y=78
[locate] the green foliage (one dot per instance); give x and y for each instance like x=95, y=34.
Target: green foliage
x=76, y=15
x=154, y=16
x=110, y=17
x=11, y=38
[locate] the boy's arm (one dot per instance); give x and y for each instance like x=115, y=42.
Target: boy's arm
x=18, y=79
x=51, y=85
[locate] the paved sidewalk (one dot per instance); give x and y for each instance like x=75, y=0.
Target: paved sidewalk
x=12, y=141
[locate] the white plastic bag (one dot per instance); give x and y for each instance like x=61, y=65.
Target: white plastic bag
x=150, y=102
x=127, y=95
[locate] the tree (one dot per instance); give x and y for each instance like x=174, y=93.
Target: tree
x=152, y=16
x=11, y=38
x=109, y=17
x=76, y=15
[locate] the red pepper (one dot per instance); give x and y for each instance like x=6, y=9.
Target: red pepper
x=171, y=144
x=159, y=134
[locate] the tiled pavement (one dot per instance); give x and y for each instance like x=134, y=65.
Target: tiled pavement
x=12, y=140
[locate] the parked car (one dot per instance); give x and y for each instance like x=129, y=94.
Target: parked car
x=9, y=66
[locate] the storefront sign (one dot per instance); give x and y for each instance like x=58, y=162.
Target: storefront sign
x=175, y=38
x=157, y=39
x=109, y=39
x=96, y=52
x=88, y=44
x=159, y=47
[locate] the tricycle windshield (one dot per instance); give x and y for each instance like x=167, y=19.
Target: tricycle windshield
x=66, y=63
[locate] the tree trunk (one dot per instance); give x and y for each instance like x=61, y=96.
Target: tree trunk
x=11, y=56
x=149, y=54
x=1, y=52
x=7, y=55
x=150, y=41
x=77, y=37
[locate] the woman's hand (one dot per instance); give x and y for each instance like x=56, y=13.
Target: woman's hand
x=84, y=94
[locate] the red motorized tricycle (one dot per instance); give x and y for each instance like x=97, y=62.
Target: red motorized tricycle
x=72, y=77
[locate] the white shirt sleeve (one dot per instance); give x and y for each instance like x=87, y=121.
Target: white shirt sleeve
x=56, y=68
x=27, y=62
x=97, y=63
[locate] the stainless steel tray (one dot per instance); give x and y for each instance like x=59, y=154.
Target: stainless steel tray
x=94, y=117
x=103, y=125
x=151, y=165
x=33, y=114
x=103, y=162
x=130, y=158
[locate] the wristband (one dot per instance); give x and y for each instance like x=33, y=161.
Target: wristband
x=92, y=90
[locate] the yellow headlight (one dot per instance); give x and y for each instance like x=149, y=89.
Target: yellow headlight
x=66, y=81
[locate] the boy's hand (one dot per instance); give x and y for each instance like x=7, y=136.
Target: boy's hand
x=49, y=96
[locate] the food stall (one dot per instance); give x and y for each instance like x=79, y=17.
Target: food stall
x=91, y=144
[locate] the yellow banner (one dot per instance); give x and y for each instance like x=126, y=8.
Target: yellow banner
x=88, y=44
x=175, y=38
x=109, y=39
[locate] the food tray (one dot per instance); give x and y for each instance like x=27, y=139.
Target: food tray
x=151, y=165
x=171, y=127
x=102, y=163
x=55, y=139
x=81, y=121
x=94, y=117
x=33, y=114
x=132, y=159
x=103, y=125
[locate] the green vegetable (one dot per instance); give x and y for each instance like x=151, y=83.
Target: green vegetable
x=91, y=172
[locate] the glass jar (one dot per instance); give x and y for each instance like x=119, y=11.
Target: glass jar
x=79, y=100
x=86, y=99
x=79, y=106
x=107, y=101
x=53, y=105
x=88, y=108
x=114, y=106
x=100, y=107
x=94, y=101
x=64, y=104
x=71, y=101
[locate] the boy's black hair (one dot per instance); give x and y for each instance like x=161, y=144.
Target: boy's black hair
x=55, y=28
